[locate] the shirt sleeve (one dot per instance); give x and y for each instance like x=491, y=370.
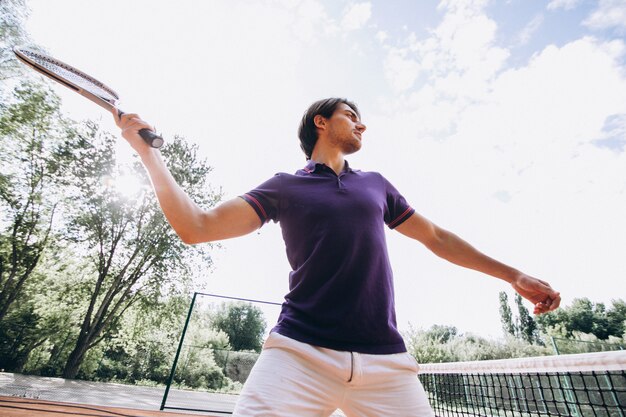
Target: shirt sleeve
x=397, y=210
x=264, y=199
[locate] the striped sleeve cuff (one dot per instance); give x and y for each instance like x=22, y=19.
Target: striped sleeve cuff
x=401, y=218
x=257, y=206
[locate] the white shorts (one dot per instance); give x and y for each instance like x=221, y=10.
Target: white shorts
x=294, y=379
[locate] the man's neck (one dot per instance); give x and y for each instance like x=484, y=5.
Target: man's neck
x=334, y=161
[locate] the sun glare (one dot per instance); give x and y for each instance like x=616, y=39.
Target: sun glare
x=128, y=186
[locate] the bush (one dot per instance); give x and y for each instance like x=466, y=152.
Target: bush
x=445, y=344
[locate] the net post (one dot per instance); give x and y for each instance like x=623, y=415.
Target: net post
x=556, y=349
x=180, y=347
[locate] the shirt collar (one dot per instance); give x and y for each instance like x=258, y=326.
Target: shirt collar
x=312, y=166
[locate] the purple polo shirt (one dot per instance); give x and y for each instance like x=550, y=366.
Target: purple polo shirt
x=341, y=286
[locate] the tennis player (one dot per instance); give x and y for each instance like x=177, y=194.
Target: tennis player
x=336, y=343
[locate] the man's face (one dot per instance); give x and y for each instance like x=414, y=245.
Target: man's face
x=345, y=129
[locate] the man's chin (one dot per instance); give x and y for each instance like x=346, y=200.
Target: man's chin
x=351, y=148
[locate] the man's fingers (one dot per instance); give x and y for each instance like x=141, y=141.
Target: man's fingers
x=130, y=125
x=135, y=125
x=539, y=292
x=126, y=117
x=556, y=302
x=116, y=117
x=549, y=304
x=122, y=119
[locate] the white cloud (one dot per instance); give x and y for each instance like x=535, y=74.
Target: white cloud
x=530, y=29
x=401, y=72
x=463, y=43
x=563, y=4
x=356, y=16
x=456, y=62
x=381, y=36
x=466, y=6
x=310, y=20
x=609, y=14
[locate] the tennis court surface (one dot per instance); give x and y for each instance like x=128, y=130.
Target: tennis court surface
x=27, y=407
x=110, y=399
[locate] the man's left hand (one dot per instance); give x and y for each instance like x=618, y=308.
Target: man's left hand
x=538, y=292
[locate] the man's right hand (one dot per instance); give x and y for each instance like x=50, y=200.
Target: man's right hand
x=131, y=124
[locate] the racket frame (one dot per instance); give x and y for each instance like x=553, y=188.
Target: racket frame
x=21, y=53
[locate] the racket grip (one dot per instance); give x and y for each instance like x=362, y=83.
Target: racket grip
x=151, y=138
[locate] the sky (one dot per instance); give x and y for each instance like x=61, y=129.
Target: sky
x=504, y=122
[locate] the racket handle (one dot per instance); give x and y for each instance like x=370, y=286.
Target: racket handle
x=151, y=138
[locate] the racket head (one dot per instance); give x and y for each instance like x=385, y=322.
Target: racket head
x=71, y=77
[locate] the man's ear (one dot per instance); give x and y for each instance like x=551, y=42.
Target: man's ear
x=320, y=121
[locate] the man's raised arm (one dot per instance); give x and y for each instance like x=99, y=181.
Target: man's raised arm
x=449, y=246
x=193, y=224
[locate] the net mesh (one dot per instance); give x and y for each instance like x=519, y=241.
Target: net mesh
x=572, y=385
x=58, y=69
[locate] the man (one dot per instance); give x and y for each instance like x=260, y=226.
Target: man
x=336, y=344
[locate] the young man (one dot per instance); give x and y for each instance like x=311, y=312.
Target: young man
x=336, y=344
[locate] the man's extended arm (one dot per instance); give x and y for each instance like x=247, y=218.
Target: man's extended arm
x=193, y=224
x=449, y=246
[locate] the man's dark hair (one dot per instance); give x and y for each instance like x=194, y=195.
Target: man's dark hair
x=307, y=132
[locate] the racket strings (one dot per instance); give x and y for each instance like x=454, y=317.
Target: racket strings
x=73, y=75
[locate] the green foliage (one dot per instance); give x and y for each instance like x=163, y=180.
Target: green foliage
x=616, y=317
x=523, y=326
x=527, y=328
x=199, y=370
x=579, y=328
x=429, y=346
x=13, y=14
x=237, y=365
x=506, y=315
x=243, y=323
x=445, y=344
x=34, y=138
x=586, y=317
x=585, y=343
x=16, y=338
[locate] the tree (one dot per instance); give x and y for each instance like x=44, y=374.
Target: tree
x=584, y=316
x=617, y=318
x=526, y=326
x=243, y=323
x=17, y=338
x=31, y=162
x=506, y=315
x=580, y=316
x=134, y=254
x=13, y=13
x=144, y=344
x=441, y=333
x=431, y=345
x=446, y=344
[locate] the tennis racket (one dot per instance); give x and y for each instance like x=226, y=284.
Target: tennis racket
x=80, y=82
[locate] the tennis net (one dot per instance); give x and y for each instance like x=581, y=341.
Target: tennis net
x=582, y=385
